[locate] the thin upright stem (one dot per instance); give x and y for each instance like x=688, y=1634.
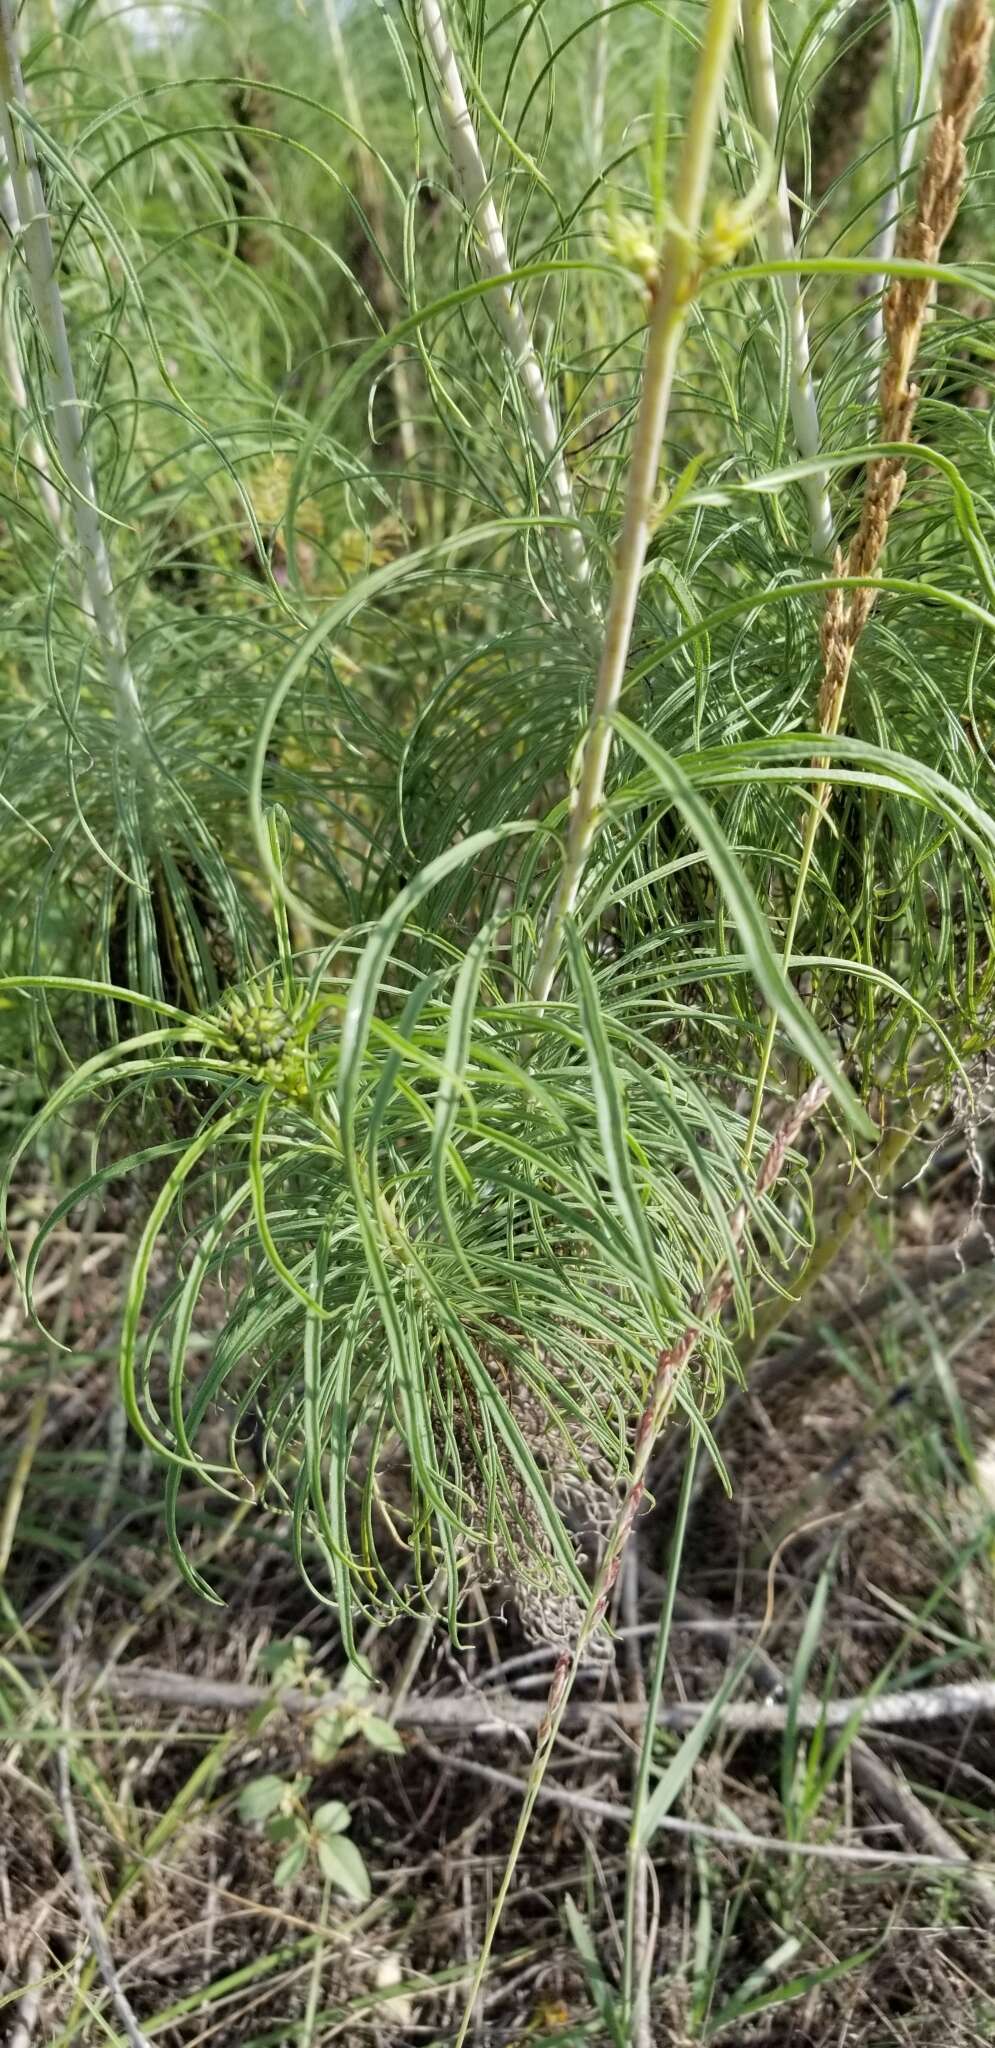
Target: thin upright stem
x=14, y=375
x=509, y=313
x=635, y=1993
x=771, y=1313
x=758, y=49
x=371, y=197
x=679, y=271
x=599, y=87
x=67, y=421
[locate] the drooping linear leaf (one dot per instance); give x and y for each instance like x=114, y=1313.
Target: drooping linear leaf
x=327, y=1392
x=908, y=452
x=183, y=1313
x=79, y=1194
x=423, y=992
x=378, y=582
x=257, y=1185
x=871, y=266
x=404, y=1342
x=208, y=1136
x=447, y=1099
x=366, y=980
x=876, y=767
x=509, y=1431
x=610, y=1111
x=783, y=594
x=750, y=922
x=102, y=1068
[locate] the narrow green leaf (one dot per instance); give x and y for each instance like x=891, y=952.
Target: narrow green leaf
x=740, y=2008
x=750, y=921
x=610, y=1112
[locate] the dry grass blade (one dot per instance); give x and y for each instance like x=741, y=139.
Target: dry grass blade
x=907, y=303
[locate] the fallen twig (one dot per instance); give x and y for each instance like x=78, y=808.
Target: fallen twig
x=485, y=1714
x=89, y=1912
x=871, y=1772
x=731, y=1838
x=29, y=2003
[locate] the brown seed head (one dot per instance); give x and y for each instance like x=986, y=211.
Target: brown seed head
x=906, y=305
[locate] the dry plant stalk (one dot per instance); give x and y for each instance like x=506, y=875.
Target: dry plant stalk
x=907, y=302
x=670, y=1364
x=509, y=313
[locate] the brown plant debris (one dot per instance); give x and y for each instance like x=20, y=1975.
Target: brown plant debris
x=907, y=302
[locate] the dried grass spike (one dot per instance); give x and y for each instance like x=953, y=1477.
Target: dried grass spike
x=907, y=303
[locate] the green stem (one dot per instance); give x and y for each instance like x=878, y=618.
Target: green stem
x=37, y=456
x=758, y=49
x=67, y=419
x=509, y=313
x=680, y=266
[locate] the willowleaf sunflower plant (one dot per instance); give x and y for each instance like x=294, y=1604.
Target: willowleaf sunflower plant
x=496, y=732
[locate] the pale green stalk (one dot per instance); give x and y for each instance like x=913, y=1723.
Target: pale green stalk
x=507, y=308
x=599, y=88
x=758, y=49
x=67, y=422
x=680, y=266
x=54, y=510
